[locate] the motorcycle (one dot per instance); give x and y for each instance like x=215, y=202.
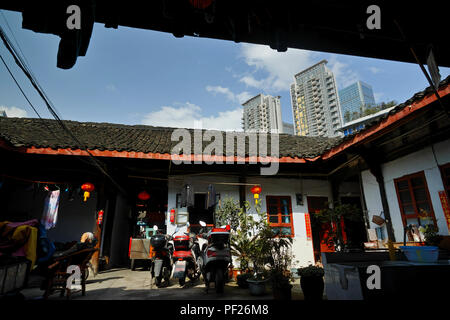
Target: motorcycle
x=216, y=256
x=161, y=267
x=185, y=257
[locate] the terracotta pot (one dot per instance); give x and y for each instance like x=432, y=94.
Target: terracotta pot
x=312, y=287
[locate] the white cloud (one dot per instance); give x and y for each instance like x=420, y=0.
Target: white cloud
x=244, y=96
x=190, y=115
x=13, y=112
x=343, y=74
x=111, y=87
x=218, y=89
x=280, y=67
x=375, y=70
x=239, y=98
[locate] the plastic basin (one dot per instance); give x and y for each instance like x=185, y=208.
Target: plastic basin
x=420, y=254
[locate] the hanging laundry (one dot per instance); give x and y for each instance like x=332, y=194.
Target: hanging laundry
x=50, y=213
x=187, y=196
x=210, y=197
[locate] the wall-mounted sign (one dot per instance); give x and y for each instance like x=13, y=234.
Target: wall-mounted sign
x=445, y=207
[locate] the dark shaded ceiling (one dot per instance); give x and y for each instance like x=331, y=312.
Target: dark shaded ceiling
x=327, y=26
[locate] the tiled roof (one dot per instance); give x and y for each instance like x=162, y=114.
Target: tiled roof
x=34, y=132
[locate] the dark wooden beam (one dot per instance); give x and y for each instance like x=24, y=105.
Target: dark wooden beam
x=375, y=168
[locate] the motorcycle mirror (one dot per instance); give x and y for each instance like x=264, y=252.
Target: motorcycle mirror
x=202, y=223
x=155, y=227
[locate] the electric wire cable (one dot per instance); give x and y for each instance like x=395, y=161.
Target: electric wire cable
x=18, y=60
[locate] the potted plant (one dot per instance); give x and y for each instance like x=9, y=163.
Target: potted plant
x=335, y=216
x=257, y=282
x=241, y=279
x=280, y=264
x=259, y=247
x=429, y=230
x=311, y=282
x=259, y=256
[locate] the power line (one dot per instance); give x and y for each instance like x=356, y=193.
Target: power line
x=22, y=65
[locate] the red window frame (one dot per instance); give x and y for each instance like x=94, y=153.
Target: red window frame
x=413, y=202
x=280, y=224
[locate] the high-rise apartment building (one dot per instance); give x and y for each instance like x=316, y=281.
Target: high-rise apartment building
x=315, y=102
x=262, y=113
x=355, y=99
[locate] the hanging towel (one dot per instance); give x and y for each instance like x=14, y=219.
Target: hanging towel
x=50, y=214
x=187, y=196
x=210, y=197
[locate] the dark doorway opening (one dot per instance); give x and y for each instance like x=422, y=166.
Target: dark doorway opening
x=199, y=212
x=355, y=230
x=319, y=231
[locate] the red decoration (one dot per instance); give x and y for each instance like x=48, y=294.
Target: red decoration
x=172, y=216
x=87, y=188
x=256, y=190
x=308, y=227
x=143, y=195
x=200, y=4
x=445, y=207
x=100, y=217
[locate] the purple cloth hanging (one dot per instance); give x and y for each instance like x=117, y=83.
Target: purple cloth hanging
x=50, y=214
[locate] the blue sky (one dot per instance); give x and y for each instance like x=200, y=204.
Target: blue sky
x=134, y=76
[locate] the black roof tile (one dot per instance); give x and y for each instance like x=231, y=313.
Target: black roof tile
x=47, y=133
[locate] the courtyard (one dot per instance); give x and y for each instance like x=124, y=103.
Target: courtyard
x=124, y=284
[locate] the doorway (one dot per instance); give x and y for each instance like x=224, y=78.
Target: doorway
x=319, y=232
x=355, y=230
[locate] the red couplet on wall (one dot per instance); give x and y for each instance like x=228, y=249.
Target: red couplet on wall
x=308, y=227
x=445, y=207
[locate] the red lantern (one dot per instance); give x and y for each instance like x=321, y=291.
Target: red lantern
x=200, y=4
x=256, y=190
x=87, y=188
x=143, y=195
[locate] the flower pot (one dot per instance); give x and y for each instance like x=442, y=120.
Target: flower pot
x=241, y=280
x=312, y=287
x=282, y=293
x=421, y=254
x=257, y=287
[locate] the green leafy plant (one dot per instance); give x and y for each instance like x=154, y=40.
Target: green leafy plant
x=334, y=217
x=432, y=238
x=228, y=213
x=280, y=262
x=311, y=271
x=429, y=230
x=254, y=243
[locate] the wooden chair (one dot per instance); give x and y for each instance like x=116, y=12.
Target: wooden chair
x=56, y=273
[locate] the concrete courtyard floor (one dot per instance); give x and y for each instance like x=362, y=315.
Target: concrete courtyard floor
x=124, y=284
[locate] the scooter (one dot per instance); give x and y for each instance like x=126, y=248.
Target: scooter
x=216, y=256
x=185, y=257
x=161, y=267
